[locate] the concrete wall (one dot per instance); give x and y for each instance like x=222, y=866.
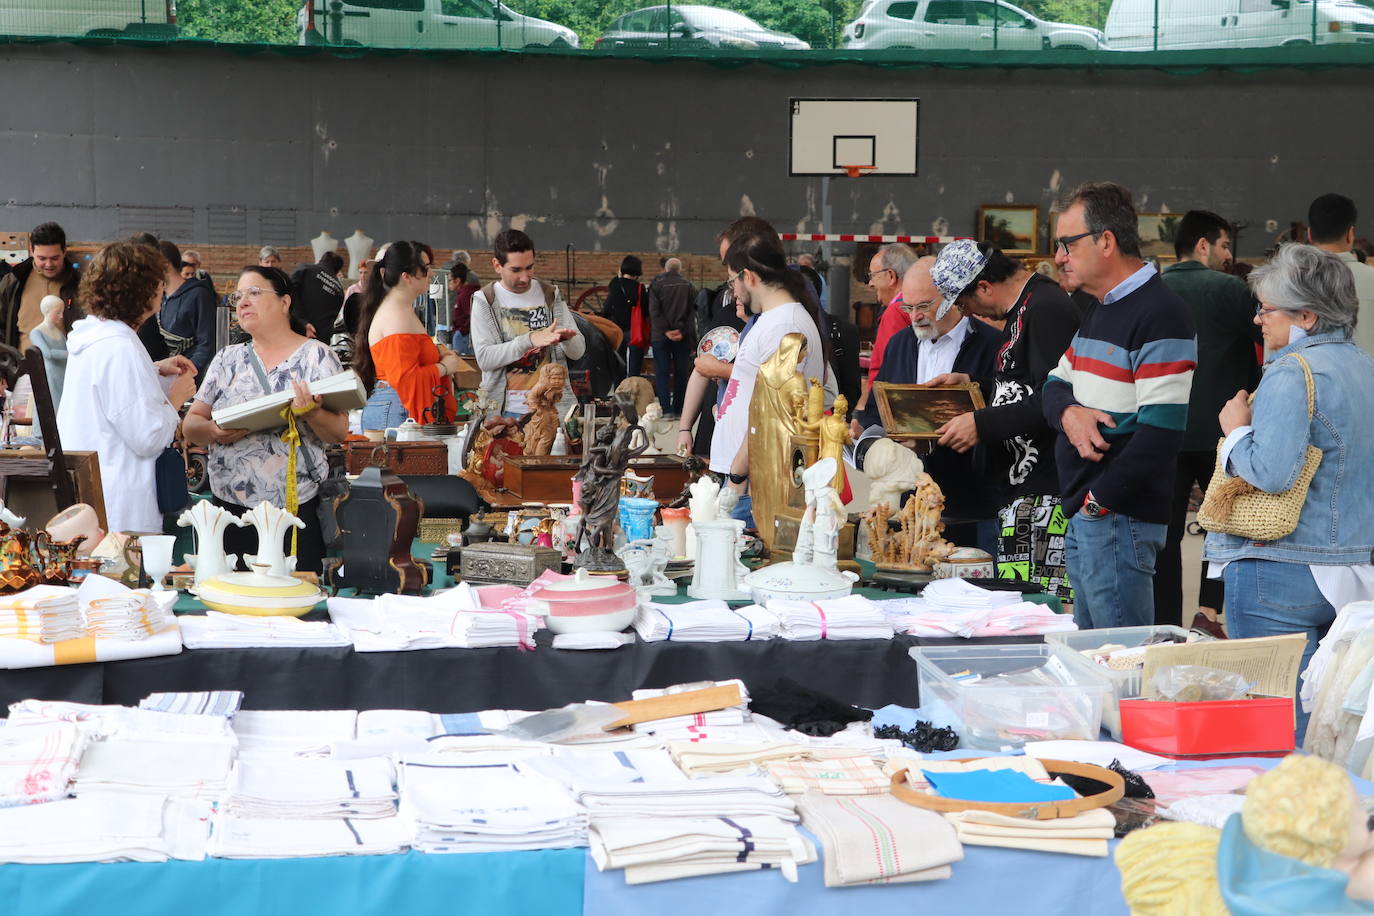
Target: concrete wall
x=217, y=147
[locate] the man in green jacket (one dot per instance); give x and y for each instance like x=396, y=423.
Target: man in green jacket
x=1223, y=310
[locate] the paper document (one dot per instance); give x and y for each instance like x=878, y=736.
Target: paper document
x=1271, y=662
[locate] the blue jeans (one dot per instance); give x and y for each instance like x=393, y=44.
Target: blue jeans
x=744, y=511
x=1111, y=562
x=1270, y=598
x=384, y=409
x=634, y=362
x=672, y=368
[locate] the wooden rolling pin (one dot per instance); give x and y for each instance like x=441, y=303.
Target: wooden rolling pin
x=687, y=703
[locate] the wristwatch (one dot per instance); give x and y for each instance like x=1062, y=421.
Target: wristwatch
x=1094, y=509
x=738, y=478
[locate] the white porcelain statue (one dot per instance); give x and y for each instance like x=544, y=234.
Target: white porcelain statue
x=9, y=518
x=272, y=524
x=819, y=534
x=646, y=562
x=718, y=570
x=209, y=523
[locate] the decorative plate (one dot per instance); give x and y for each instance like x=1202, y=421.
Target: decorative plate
x=721, y=342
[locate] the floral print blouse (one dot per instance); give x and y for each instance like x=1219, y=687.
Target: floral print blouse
x=253, y=469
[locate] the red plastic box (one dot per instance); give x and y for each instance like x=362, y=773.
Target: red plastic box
x=1258, y=727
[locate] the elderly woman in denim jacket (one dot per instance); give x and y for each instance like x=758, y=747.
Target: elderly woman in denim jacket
x=1296, y=584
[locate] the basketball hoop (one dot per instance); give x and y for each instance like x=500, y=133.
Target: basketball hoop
x=854, y=171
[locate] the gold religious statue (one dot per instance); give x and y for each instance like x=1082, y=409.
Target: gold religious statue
x=772, y=424
x=834, y=433
x=811, y=410
x=542, y=399
x=918, y=544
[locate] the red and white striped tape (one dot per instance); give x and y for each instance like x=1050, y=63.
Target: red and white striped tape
x=879, y=239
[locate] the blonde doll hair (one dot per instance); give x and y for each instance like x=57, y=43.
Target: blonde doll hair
x=1300, y=809
x=1170, y=869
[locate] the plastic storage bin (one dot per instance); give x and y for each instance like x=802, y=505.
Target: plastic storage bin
x=1125, y=684
x=1021, y=693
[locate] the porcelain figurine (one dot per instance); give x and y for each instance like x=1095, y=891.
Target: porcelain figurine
x=705, y=500
x=718, y=569
x=918, y=545
x=9, y=518
x=818, y=536
x=209, y=522
x=542, y=428
x=272, y=524
x=646, y=563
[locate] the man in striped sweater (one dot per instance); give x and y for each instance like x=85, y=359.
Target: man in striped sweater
x=1119, y=398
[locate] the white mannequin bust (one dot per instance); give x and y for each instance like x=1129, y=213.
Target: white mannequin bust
x=322, y=243
x=359, y=247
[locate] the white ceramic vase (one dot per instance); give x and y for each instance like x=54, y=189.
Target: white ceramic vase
x=717, y=568
x=209, y=523
x=272, y=524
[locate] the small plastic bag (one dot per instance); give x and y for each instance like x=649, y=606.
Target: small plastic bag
x=1194, y=683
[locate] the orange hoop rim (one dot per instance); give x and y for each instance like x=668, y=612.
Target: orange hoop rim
x=854, y=171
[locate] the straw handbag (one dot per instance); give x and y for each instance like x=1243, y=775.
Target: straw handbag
x=1235, y=506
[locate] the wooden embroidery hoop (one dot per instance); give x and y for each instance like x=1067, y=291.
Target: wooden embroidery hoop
x=1042, y=811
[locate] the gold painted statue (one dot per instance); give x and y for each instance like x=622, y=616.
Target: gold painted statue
x=772, y=423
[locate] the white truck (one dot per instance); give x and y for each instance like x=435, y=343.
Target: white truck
x=426, y=24
x=1188, y=24
x=95, y=18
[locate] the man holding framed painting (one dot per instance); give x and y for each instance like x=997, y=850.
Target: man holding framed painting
x=1119, y=398
x=1039, y=320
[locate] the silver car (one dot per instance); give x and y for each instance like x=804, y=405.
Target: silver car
x=965, y=25
x=691, y=27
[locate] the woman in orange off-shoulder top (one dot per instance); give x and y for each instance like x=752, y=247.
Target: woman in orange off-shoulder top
x=397, y=361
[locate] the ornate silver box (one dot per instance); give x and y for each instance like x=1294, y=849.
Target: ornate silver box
x=495, y=563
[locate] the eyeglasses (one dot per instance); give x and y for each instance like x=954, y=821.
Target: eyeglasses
x=885, y=270
x=927, y=306
x=1261, y=311
x=235, y=299
x=1064, y=241
x=730, y=280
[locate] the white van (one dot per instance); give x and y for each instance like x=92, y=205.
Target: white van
x=1185, y=24
x=429, y=24
x=132, y=18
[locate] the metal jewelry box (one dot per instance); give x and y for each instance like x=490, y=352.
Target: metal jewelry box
x=494, y=563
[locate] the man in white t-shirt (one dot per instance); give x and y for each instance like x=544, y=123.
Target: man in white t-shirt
x=518, y=325
x=779, y=314
x=1331, y=227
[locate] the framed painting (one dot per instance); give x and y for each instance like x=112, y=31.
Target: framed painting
x=911, y=412
x=1014, y=228
x=1157, y=232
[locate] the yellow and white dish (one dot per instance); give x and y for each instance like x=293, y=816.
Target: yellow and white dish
x=259, y=594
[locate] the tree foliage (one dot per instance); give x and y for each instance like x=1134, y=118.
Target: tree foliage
x=1079, y=12
x=253, y=21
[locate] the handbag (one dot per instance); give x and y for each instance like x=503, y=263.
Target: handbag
x=640, y=330
x=169, y=476
x=1235, y=506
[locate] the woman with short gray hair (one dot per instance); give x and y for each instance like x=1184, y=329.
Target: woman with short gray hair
x=1295, y=584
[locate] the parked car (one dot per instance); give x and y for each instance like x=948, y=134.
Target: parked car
x=1187, y=24
x=968, y=25
x=433, y=24
x=693, y=27
x=132, y=18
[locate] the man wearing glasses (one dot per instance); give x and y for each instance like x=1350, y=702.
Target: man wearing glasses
x=1119, y=399
x=886, y=271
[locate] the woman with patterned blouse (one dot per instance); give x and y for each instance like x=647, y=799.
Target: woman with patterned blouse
x=249, y=467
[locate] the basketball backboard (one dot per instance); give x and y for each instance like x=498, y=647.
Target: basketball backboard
x=841, y=136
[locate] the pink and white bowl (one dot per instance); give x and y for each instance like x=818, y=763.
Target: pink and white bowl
x=584, y=603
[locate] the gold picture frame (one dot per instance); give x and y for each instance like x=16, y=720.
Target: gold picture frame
x=1157, y=232
x=1014, y=228
x=915, y=412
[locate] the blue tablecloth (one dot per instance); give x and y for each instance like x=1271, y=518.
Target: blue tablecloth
x=542, y=883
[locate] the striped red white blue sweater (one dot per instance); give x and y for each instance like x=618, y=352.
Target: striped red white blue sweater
x=1133, y=359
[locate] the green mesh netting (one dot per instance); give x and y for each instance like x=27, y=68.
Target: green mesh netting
x=1173, y=34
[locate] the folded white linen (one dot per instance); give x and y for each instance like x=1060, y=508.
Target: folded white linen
x=1208, y=810
x=876, y=839
x=123, y=721
x=1101, y=753
x=177, y=769
x=655, y=850
x=293, y=730
x=215, y=630
x=274, y=838
x=449, y=619
x=104, y=827
x=596, y=640
x=703, y=621
x=274, y=785
x=38, y=762
x=200, y=703
x=851, y=617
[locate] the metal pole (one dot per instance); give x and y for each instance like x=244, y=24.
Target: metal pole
x=1314, y=22
x=1156, y=25
x=668, y=26
x=996, y=21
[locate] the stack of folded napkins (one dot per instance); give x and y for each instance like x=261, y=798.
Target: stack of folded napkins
x=268, y=785
x=1085, y=834
x=172, y=768
x=38, y=761
x=131, y=616
x=734, y=723
x=124, y=722
x=876, y=839
x=703, y=621
x=957, y=607
x=216, y=630
x=195, y=702
x=450, y=619
x=45, y=613
x=853, y=775
x=272, y=838
x=696, y=758
x=682, y=847
x=486, y=808
x=293, y=731
x=851, y=617
x=104, y=827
